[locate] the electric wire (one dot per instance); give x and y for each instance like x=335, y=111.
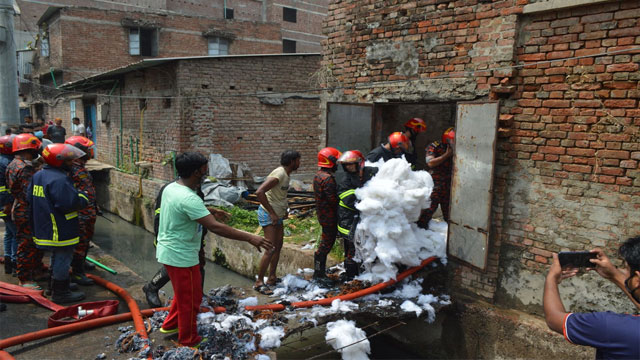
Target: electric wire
x=455, y=74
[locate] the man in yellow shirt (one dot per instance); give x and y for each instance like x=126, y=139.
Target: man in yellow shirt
x=272, y=195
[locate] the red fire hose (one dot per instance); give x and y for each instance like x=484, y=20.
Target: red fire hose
x=354, y=295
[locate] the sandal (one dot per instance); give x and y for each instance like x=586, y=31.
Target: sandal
x=278, y=281
x=263, y=289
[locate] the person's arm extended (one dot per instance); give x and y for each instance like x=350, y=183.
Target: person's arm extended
x=227, y=231
x=433, y=161
x=261, y=194
x=554, y=312
x=605, y=268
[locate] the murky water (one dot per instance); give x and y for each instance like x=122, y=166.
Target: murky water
x=133, y=246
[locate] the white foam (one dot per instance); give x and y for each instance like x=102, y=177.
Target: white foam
x=270, y=337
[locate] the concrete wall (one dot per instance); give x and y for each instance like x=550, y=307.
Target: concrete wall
x=566, y=174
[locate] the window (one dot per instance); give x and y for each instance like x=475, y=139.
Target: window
x=288, y=46
x=72, y=108
x=228, y=13
x=289, y=14
x=218, y=46
x=143, y=42
x=44, y=47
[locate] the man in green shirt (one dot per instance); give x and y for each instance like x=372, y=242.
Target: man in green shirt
x=272, y=195
x=182, y=218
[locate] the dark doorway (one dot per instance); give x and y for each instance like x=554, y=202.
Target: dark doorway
x=90, y=122
x=390, y=117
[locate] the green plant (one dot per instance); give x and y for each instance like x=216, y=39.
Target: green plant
x=219, y=258
x=243, y=219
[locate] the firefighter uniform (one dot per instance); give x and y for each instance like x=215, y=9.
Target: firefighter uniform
x=347, y=214
x=441, y=184
x=6, y=200
x=83, y=181
x=324, y=189
x=29, y=257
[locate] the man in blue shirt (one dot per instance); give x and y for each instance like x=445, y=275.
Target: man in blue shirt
x=615, y=336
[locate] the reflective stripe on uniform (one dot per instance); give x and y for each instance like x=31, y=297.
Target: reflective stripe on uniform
x=3, y=189
x=55, y=228
x=342, y=230
x=83, y=196
x=157, y=211
x=71, y=215
x=345, y=206
x=343, y=195
x=43, y=242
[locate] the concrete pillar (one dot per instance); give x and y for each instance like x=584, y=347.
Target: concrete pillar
x=9, y=109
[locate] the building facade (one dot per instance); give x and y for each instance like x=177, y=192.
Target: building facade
x=561, y=82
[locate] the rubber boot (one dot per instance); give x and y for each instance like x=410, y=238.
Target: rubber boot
x=351, y=270
x=88, y=265
x=8, y=265
x=62, y=294
x=319, y=271
x=78, y=275
x=160, y=279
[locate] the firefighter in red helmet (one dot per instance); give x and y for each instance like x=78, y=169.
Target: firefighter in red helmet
x=6, y=200
x=412, y=128
x=26, y=150
x=87, y=217
x=440, y=163
x=325, y=192
x=397, y=144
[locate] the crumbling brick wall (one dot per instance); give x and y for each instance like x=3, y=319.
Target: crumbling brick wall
x=566, y=173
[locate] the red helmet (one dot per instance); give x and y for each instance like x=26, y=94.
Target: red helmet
x=328, y=157
x=6, y=144
x=398, y=139
x=417, y=125
x=25, y=142
x=81, y=143
x=448, y=134
x=352, y=157
x=56, y=154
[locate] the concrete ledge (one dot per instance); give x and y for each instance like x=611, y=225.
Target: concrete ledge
x=552, y=5
x=244, y=258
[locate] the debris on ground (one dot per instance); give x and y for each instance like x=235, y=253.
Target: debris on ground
x=349, y=340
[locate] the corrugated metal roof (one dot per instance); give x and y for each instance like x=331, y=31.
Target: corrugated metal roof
x=146, y=63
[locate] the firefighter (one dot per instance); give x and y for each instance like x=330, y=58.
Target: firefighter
x=440, y=162
x=412, y=128
x=87, y=217
x=397, y=144
x=352, y=163
x=6, y=200
x=325, y=192
x=26, y=150
x=54, y=204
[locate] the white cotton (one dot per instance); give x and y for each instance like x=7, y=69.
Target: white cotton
x=426, y=299
x=445, y=300
x=338, y=305
x=314, y=292
x=309, y=246
x=262, y=357
x=384, y=303
x=206, y=318
x=431, y=312
x=389, y=205
x=250, y=301
x=345, y=333
x=292, y=282
x=250, y=346
x=270, y=337
x=410, y=306
x=409, y=290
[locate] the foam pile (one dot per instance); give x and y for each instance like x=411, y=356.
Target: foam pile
x=343, y=333
x=389, y=205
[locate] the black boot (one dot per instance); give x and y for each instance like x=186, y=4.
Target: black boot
x=319, y=271
x=62, y=294
x=8, y=265
x=78, y=275
x=160, y=279
x=88, y=265
x=351, y=269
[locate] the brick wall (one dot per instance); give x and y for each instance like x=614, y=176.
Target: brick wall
x=78, y=37
x=566, y=173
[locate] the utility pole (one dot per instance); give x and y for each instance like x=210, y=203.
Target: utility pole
x=9, y=108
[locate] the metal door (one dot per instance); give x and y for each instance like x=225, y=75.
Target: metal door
x=349, y=126
x=472, y=182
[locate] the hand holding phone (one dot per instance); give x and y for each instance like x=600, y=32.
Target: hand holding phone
x=576, y=259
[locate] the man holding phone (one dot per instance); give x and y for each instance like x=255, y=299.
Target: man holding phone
x=615, y=336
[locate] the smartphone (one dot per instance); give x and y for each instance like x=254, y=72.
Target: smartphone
x=576, y=259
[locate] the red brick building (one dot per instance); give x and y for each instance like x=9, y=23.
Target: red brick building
x=241, y=106
x=560, y=82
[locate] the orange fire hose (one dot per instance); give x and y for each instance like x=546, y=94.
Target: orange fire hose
x=5, y=356
x=59, y=330
x=354, y=295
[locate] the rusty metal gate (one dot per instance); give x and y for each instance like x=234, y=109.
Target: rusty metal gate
x=472, y=182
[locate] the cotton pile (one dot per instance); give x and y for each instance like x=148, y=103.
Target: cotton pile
x=387, y=235
x=342, y=333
